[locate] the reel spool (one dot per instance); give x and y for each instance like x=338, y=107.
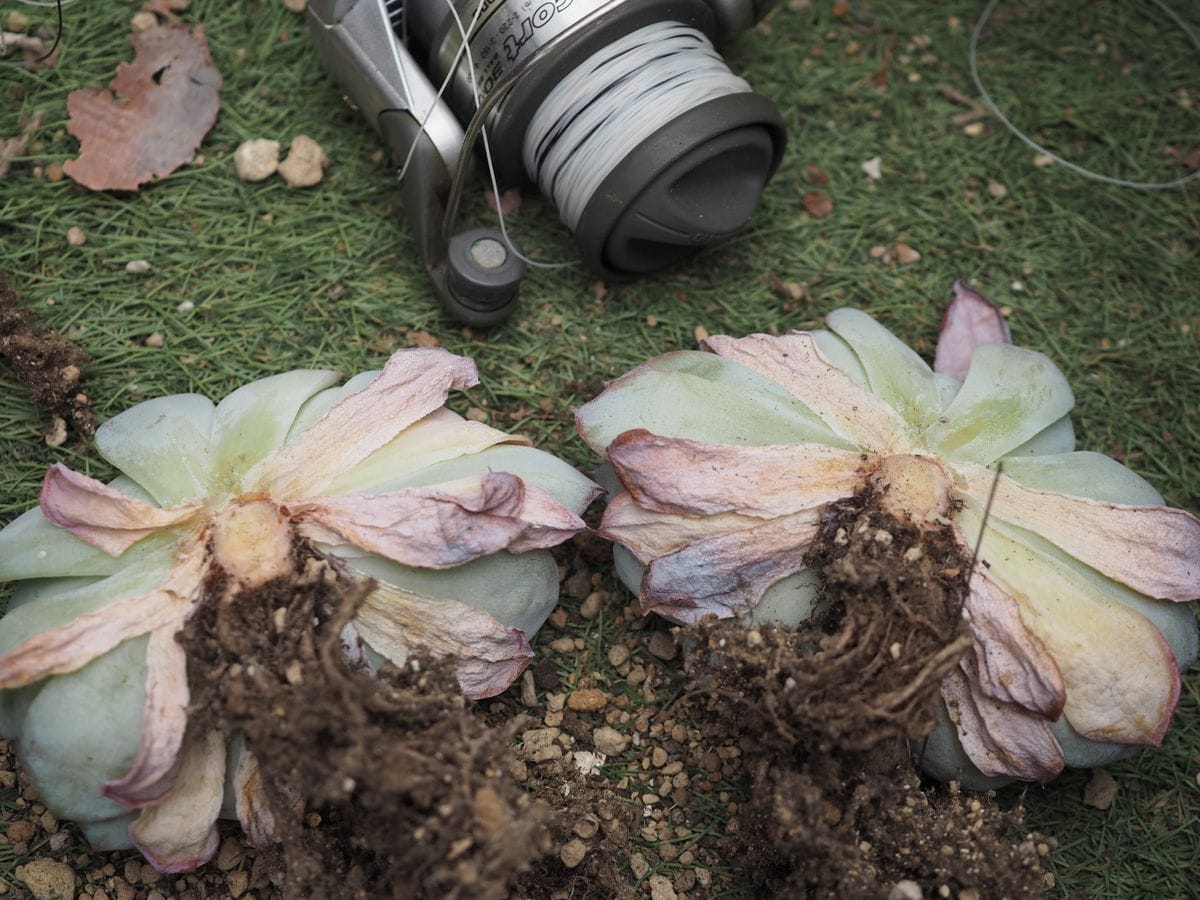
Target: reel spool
x=620, y=110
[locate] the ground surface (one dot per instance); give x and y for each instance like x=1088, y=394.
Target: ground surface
x=247, y=280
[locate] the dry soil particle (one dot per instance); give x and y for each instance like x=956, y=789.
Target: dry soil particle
x=408, y=793
x=836, y=808
x=50, y=367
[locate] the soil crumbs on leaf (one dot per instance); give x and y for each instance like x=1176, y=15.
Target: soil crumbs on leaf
x=49, y=366
x=836, y=807
x=413, y=795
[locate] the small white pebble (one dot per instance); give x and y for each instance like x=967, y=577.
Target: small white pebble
x=186, y=306
x=873, y=168
x=1018, y=285
x=76, y=236
x=296, y=6
x=154, y=340
x=137, y=266
x=256, y=159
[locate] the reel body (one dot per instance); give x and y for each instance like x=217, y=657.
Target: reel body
x=620, y=110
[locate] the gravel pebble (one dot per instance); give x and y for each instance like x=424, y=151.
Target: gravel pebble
x=609, y=741
x=48, y=879
x=587, y=700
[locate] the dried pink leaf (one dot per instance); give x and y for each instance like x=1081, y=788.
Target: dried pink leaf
x=253, y=807
x=164, y=720
x=103, y=516
x=443, y=526
x=727, y=574
x=1153, y=549
x=74, y=645
x=490, y=655
x=180, y=833
x=697, y=478
x=999, y=738
x=412, y=385
x=1013, y=665
x=649, y=534
x=971, y=320
x=165, y=103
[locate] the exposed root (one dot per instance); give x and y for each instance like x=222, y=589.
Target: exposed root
x=836, y=807
x=413, y=795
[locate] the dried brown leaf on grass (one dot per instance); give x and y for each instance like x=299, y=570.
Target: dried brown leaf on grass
x=160, y=107
x=817, y=205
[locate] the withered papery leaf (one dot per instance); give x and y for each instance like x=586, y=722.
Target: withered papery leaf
x=971, y=320
x=1000, y=738
x=103, y=516
x=794, y=362
x=649, y=534
x=180, y=833
x=443, y=526
x=1014, y=666
x=164, y=719
x=1153, y=549
x=253, y=807
x=727, y=574
x=490, y=655
x=698, y=478
x=160, y=108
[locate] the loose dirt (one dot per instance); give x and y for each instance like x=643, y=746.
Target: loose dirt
x=49, y=366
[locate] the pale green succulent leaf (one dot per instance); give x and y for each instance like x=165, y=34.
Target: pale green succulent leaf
x=947, y=389
x=31, y=546
x=1083, y=474
x=1056, y=438
x=82, y=730
x=838, y=352
x=255, y=419
x=683, y=405
x=894, y=370
x=1009, y=396
x=162, y=444
x=110, y=834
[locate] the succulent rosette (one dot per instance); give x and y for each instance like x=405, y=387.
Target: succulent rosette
x=449, y=517
x=724, y=459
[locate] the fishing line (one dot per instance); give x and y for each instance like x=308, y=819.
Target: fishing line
x=615, y=100
x=58, y=32
x=483, y=134
x=602, y=110
x=1080, y=170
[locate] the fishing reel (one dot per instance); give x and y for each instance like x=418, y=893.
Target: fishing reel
x=621, y=111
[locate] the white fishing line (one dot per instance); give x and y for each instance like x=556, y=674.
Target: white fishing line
x=463, y=33
x=620, y=96
x=1024, y=138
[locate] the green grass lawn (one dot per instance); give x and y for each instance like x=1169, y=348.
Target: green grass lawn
x=249, y=280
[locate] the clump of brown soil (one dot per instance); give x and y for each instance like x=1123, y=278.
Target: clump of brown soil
x=836, y=807
x=50, y=367
x=413, y=795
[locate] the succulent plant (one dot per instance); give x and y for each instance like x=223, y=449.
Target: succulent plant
x=450, y=519
x=723, y=461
